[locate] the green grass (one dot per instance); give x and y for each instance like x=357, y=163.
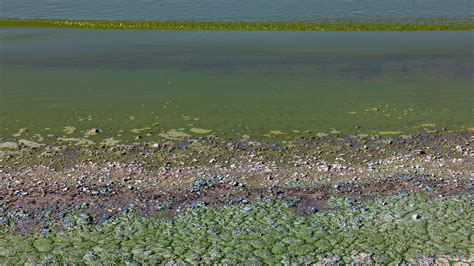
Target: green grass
x=250, y=26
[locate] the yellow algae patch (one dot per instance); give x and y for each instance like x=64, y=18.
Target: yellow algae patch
x=69, y=130
x=110, y=142
x=38, y=137
x=21, y=131
x=139, y=130
x=427, y=125
x=174, y=134
x=200, y=130
x=352, y=113
x=277, y=132
x=321, y=134
x=373, y=109
x=131, y=117
x=77, y=141
x=335, y=131
x=91, y=132
x=390, y=132
x=274, y=133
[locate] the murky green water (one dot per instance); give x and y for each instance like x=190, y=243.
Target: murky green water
x=230, y=10
x=233, y=83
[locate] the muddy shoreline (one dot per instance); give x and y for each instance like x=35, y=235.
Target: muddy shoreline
x=45, y=183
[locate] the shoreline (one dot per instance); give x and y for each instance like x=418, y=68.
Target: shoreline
x=245, y=26
x=330, y=165
x=53, y=193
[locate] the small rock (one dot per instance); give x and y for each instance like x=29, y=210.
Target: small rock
x=20, y=193
x=416, y=217
x=247, y=209
x=86, y=218
x=419, y=152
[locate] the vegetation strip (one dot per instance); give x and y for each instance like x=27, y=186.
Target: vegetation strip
x=250, y=26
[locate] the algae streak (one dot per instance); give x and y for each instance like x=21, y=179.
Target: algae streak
x=249, y=26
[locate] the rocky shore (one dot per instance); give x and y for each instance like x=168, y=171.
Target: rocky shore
x=54, y=192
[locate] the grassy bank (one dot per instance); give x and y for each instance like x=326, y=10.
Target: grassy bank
x=250, y=26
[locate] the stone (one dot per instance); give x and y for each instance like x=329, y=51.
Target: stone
x=86, y=218
x=416, y=217
x=246, y=209
x=200, y=130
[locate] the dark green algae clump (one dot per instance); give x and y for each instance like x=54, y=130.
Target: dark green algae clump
x=396, y=229
x=434, y=25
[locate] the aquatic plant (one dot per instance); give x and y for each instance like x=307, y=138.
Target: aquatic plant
x=435, y=25
x=394, y=229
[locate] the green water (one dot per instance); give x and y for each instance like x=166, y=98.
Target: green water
x=236, y=84
x=229, y=10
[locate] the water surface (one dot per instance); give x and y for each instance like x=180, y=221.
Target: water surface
x=232, y=10
x=237, y=84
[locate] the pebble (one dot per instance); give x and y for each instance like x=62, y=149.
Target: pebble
x=246, y=209
x=416, y=217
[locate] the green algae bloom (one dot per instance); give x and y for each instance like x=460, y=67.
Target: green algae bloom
x=395, y=229
x=436, y=25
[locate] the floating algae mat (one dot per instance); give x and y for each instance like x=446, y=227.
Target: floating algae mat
x=435, y=25
x=395, y=229
x=65, y=83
